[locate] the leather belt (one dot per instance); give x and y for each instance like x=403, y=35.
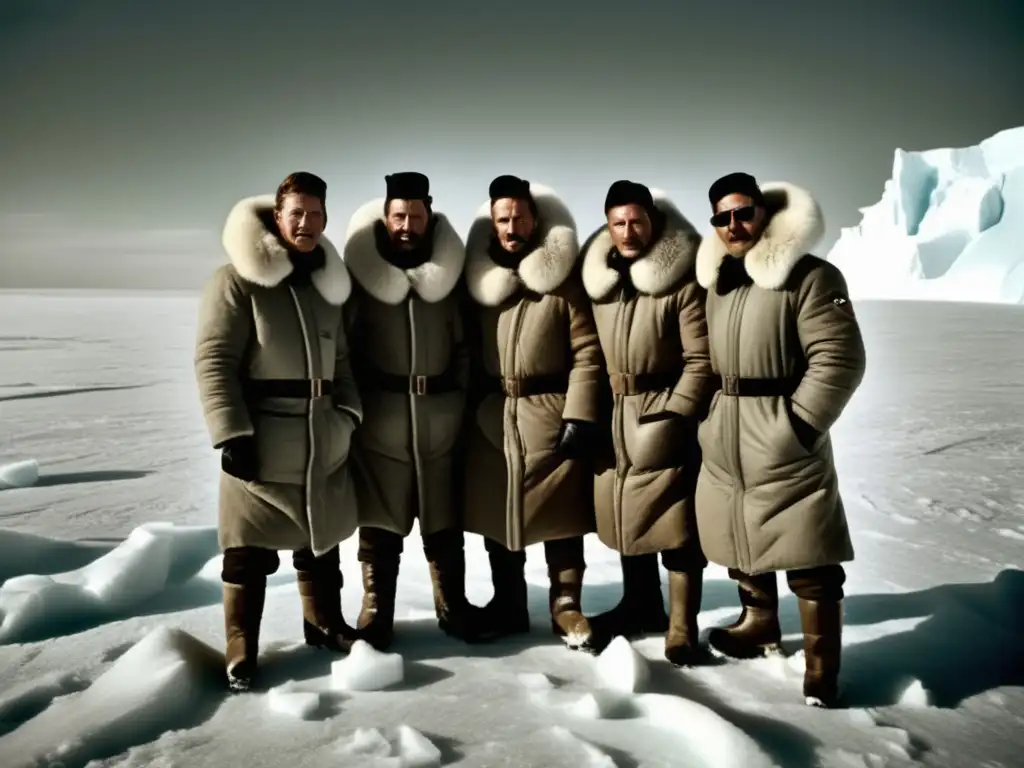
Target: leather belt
x=737, y=386
x=528, y=386
x=415, y=385
x=299, y=389
x=639, y=383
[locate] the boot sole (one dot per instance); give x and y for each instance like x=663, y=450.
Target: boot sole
x=239, y=684
x=585, y=644
x=689, y=656
x=316, y=639
x=769, y=650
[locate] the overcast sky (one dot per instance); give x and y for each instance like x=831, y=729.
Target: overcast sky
x=128, y=129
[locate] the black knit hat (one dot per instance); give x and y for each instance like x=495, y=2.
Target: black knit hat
x=509, y=186
x=625, y=192
x=735, y=184
x=408, y=185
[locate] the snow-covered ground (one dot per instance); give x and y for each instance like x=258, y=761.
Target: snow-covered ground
x=111, y=627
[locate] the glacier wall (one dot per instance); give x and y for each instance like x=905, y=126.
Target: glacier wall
x=949, y=227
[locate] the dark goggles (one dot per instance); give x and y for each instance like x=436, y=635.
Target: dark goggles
x=743, y=213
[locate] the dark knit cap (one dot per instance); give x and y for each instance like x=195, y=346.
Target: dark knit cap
x=509, y=186
x=735, y=184
x=408, y=185
x=625, y=192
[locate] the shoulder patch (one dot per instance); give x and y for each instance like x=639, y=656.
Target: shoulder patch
x=842, y=302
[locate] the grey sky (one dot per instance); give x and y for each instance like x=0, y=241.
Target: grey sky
x=129, y=128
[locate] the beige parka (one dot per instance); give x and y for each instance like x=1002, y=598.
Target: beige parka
x=254, y=326
x=654, y=339
x=537, y=344
x=412, y=364
x=765, y=500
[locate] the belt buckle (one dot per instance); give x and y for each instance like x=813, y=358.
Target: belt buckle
x=731, y=385
x=316, y=388
x=419, y=385
x=511, y=387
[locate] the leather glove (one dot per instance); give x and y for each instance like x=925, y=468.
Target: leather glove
x=578, y=439
x=805, y=433
x=238, y=458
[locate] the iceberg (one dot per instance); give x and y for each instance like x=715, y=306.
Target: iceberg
x=949, y=227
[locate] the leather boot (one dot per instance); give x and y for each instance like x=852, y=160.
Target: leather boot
x=243, y=610
x=456, y=616
x=323, y=624
x=376, y=622
x=567, y=619
x=507, y=613
x=822, y=624
x=682, y=648
x=757, y=631
x=642, y=608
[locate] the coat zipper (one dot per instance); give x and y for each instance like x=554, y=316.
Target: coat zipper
x=414, y=413
x=310, y=437
x=514, y=528
x=744, y=555
x=628, y=309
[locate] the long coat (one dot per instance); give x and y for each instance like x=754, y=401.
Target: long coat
x=768, y=500
x=406, y=331
x=253, y=325
x=536, y=339
x=654, y=338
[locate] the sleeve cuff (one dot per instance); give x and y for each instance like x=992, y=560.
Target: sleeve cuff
x=681, y=405
x=357, y=416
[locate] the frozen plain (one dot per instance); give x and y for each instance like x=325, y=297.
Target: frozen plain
x=105, y=649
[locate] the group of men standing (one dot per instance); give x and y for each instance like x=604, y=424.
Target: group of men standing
x=672, y=393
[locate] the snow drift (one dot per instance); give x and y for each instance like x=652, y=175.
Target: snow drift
x=949, y=227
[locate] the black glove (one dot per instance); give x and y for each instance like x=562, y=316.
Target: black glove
x=578, y=439
x=805, y=433
x=238, y=458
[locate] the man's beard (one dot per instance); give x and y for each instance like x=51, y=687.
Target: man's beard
x=516, y=242
x=411, y=243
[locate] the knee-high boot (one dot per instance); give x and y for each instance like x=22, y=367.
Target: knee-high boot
x=757, y=630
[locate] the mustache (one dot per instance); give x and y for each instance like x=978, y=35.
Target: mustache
x=517, y=238
x=633, y=242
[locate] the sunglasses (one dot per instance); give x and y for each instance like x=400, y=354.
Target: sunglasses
x=743, y=213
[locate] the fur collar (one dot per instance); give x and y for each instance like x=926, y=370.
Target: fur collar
x=795, y=227
x=432, y=281
x=542, y=270
x=259, y=257
x=668, y=261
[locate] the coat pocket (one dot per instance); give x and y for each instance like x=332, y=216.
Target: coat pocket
x=439, y=419
x=282, y=446
x=490, y=417
x=662, y=444
x=338, y=443
x=788, y=444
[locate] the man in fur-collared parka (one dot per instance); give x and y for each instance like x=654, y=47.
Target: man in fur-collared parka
x=639, y=272
x=412, y=365
x=532, y=426
x=280, y=402
x=786, y=343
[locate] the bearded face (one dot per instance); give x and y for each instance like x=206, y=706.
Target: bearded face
x=631, y=229
x=406, y=223
x=514, y=223
x=739, y=222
